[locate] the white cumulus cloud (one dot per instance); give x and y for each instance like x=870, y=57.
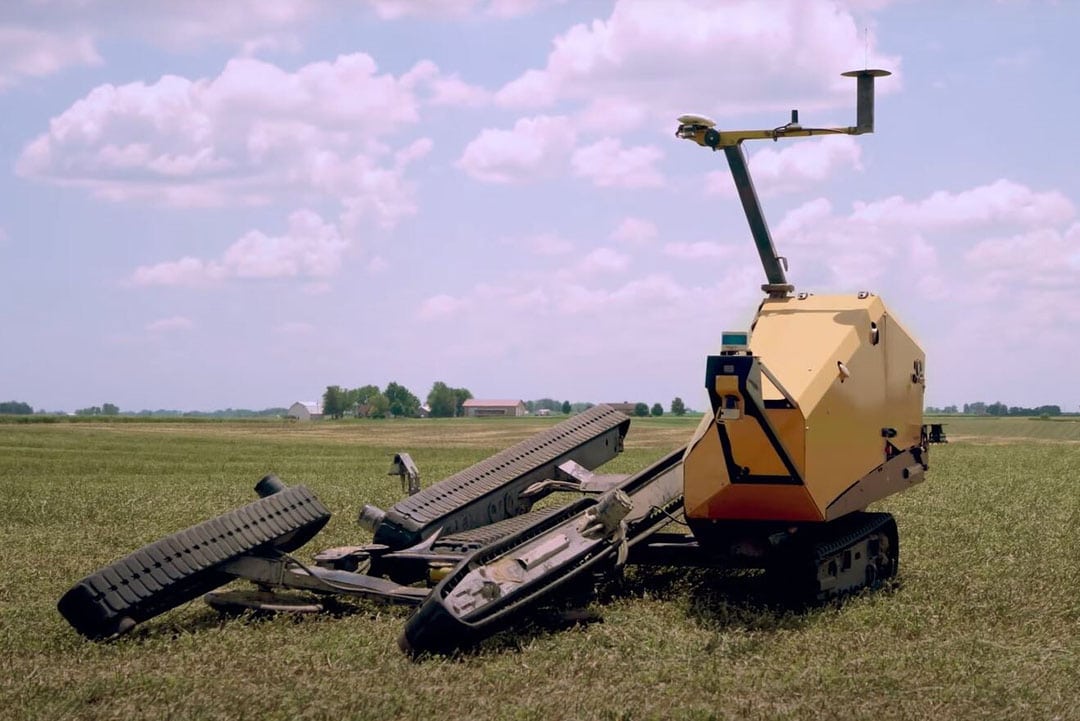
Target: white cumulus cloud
x=697, y=251
x=546, y=244
x=311, y=248
x=535, y=148
x=593, y=266
x=178, y=27
x=1002, y=201
x=601, y=260
x=797, y=166
x=186, y=271
x=635, y=231
x=896, y=238
x=442, y=306
x=674, y=54
x=253, y=134
x=170, y=325
x=396, y=9
x=609, y=165
x=1043, y=257
x=27, y=52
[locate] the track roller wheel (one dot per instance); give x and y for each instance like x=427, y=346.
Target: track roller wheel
x=187, y=564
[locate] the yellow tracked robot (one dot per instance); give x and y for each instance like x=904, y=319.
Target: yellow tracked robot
x=816, y=412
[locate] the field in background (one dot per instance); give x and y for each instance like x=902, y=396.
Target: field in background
x=985, y=622
x=1009, y=428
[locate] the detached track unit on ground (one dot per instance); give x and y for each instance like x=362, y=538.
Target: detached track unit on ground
x=491, y=490
x=186, y=564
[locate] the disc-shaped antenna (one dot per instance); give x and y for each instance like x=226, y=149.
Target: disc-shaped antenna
x=696, y=120
x=870, y=73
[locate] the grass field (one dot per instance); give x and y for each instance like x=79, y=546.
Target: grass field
x=983, y=624
x=990, y=428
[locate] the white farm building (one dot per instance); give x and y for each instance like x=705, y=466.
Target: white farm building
x=475, y=407
x=305, y=411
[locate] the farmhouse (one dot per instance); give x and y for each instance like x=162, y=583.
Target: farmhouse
x=305, y=411
x=476, y=407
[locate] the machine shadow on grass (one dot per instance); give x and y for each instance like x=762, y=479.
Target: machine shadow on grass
x=210, y=619
x=721, y=599
x=751, y=600
x=715, y=600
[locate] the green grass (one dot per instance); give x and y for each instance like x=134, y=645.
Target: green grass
x=984, y=623
x=991, y=428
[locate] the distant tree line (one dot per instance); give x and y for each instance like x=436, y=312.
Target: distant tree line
x=22, y=409
x=111, y=409
x=395, y=401
x=678, y=408
x=446, y=401
x=997, y=409
x=443, y=401
x=554, y=406
x=275, y=412
x=106, y=409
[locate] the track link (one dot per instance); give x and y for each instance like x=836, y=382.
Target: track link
x=861, y=550
x=498, y=582
x=490, y=491
x=477, y=538
x=186, y=564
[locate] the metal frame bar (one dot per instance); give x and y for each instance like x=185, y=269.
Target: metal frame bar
x=281, y=572
x=702, y=132
x=744, y=184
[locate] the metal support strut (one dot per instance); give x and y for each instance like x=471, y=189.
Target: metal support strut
x=703, y=131
x=778, y=285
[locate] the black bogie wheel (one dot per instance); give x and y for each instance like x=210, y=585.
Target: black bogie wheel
x=872, y=580
x=894, y=550
x=793, y=575
x=187, y=564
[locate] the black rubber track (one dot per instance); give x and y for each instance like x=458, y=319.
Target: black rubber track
x=186, y=564
x=489, y=491
x=476, y=538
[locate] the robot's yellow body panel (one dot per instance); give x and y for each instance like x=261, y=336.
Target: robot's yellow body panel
x=814, y=414
x=819, y=416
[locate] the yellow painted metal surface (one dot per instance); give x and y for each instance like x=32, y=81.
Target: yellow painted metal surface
x=735, y=137
x=713, y=496
x=855, y=375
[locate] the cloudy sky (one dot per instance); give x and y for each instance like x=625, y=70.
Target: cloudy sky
x=214, y=204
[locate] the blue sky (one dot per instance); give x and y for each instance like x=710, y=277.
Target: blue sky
x=234, y=204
